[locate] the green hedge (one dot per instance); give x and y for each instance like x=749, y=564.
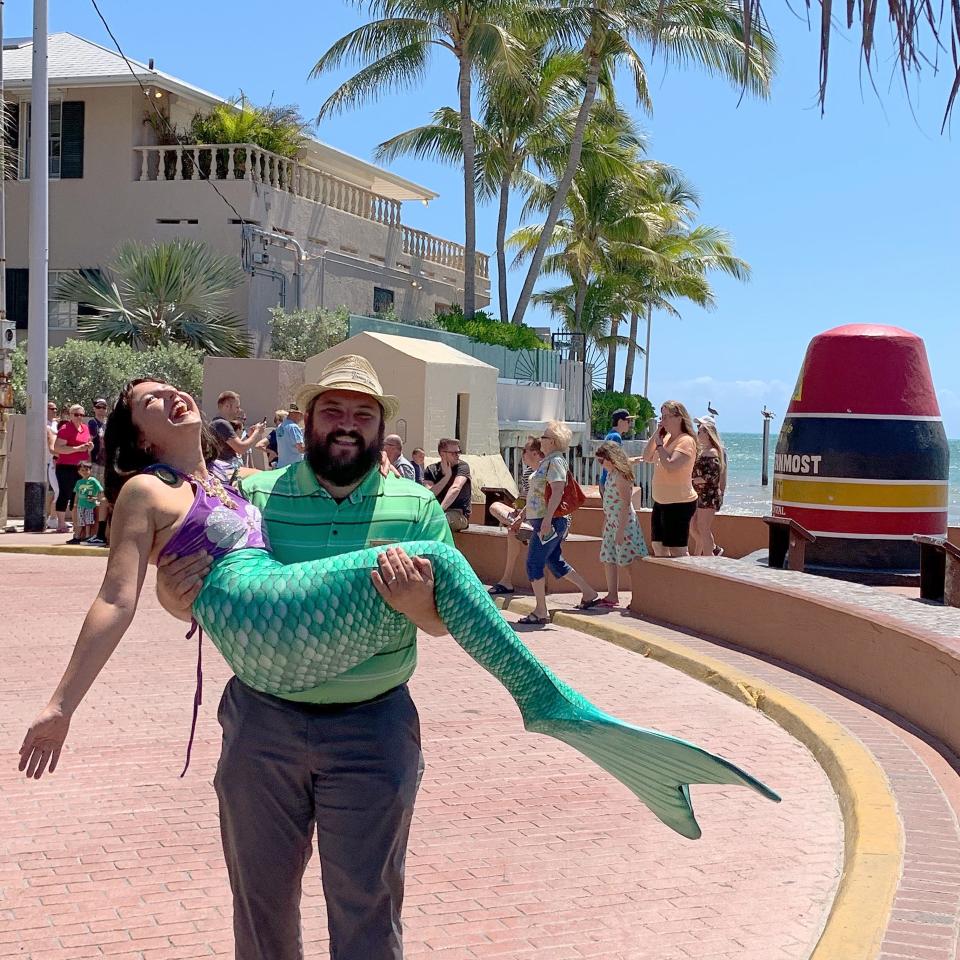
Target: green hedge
x=605, y=402
x=485, y=329
x=81, y=370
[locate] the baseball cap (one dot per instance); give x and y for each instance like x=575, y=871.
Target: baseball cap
x=622, y=414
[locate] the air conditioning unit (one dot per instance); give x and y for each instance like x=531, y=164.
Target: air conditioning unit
x=8, y=335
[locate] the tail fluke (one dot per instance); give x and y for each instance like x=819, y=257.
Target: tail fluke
x=658, y=768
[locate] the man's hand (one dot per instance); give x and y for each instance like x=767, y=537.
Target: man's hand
x=406, y=585
x=179, y=580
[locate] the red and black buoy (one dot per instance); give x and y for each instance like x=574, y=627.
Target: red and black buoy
x=862, y=460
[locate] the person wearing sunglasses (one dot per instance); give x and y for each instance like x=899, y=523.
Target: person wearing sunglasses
x=72, y=447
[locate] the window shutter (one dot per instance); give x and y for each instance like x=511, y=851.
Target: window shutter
x=18, y=290
x=11, y=140
x=71, y=148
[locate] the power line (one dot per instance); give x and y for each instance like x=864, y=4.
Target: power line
x=164, y=120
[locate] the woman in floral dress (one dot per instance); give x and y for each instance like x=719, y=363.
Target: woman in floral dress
x=623, y=540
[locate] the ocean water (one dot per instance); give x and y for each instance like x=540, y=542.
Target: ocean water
x=746, y=495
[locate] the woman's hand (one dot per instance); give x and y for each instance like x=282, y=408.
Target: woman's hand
x=621, y=538
x=43, y=742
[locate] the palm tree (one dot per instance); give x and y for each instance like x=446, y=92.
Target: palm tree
x=687, y=254
x=394, y=53
x=605, y=221
x=513, y=134
x=168, y=292
x=707, y=32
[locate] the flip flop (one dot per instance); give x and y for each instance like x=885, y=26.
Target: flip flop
x=499, y=588
x=533, y=619
x=588, y=604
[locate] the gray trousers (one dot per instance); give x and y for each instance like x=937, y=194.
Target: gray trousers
x=350, y=770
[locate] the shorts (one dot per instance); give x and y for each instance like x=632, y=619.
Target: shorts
x=547, y=556
x=670, y=523
x=86, y=516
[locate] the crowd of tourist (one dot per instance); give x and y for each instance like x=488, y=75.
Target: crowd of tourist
x=689, y=479
x=688, y=483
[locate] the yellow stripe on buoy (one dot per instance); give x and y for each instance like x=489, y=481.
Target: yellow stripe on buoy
x=878, y=493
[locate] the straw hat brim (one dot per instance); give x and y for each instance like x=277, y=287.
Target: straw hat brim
x=310, y=391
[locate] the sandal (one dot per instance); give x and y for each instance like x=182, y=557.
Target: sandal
x=588, y=604
x=604, y=602
x=499, y=588
x=533, y=619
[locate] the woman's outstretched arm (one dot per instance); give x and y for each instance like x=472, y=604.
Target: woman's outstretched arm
x=106, y=622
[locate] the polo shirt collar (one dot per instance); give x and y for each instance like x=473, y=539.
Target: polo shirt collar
x=306, y=482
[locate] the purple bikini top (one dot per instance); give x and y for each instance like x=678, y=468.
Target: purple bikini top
x=211, y=525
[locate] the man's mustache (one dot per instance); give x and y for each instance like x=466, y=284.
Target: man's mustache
x=343, y=435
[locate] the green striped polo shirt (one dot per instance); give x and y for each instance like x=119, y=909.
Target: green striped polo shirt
x=303, y=522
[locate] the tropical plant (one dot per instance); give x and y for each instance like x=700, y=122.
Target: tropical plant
x=486, y=329
x=606, y=401
x=278, y=128
x=710, y=33
x=80, y=371
x=166, y=292
x=394, y=53
x=304, y=333
x=514, y=133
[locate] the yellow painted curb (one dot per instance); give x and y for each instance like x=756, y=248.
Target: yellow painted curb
x=873, y=835
x=55, y=550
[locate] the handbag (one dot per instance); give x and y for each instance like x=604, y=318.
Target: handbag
x=573, y=497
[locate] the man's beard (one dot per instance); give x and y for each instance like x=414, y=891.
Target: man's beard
x=341, y=469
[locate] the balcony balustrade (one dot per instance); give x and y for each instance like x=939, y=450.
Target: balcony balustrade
x=248, y=162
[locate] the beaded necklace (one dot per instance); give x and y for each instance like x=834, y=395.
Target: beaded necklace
x=212, y=486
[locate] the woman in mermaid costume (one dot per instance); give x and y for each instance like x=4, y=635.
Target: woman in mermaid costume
x=287, y=628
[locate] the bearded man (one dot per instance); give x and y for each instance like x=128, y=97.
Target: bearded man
x=345, y=757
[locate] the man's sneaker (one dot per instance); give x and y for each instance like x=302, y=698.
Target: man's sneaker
x=72, y=541
x=95, y=542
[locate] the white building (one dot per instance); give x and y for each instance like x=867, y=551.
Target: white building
x=337, y=236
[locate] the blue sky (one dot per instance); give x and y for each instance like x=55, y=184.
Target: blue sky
x=849, y=217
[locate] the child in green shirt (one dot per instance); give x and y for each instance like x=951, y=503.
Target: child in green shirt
x=87, y=494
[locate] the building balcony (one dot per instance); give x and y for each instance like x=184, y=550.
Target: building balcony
x=248, y=162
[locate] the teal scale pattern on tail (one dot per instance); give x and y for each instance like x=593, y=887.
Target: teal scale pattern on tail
x=288, y=628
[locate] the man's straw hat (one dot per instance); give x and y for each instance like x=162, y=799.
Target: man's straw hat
x=352, y=373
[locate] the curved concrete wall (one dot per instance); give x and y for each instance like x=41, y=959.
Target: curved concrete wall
x=869, y=653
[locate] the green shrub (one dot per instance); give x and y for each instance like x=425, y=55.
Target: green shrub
x=606, y=401
x=485, y=329
x=303, y=333
x=80, y=371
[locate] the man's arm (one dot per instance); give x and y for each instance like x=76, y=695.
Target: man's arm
x=452, y=492
x=242, y=446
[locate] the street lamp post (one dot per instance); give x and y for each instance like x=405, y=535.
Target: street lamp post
x=767, y=415
x=35, y=479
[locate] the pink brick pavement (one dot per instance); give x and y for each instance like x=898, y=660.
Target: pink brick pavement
x=520, y=848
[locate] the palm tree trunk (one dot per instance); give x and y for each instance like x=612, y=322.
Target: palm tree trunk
x=505, y=181
x=469, y=188
x=612, y=352
x=579, y=301
x=563, y=188
x=631, y=352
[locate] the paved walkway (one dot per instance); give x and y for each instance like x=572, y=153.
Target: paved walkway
x=520, y=847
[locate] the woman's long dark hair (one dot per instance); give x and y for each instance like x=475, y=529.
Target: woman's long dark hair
x=125, y=457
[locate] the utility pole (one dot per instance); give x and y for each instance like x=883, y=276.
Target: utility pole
x=6, y=331
x=35, y=478
x=646, y=354
x=767, y=415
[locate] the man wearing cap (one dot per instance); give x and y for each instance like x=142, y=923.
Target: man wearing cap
x=344, y=757
x=622, y=423
x=290, y=438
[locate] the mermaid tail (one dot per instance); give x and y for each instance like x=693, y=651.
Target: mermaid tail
x=288, y=628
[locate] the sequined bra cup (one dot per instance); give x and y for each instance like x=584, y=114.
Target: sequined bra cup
x=212, y=525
